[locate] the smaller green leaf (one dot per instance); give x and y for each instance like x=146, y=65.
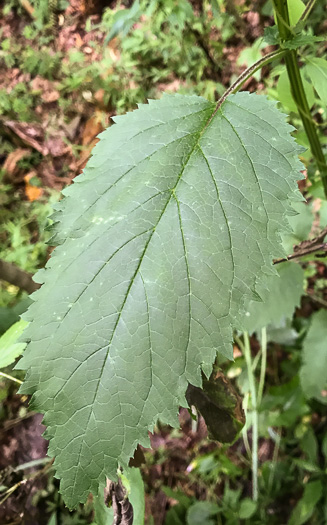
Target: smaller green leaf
x=295, y=9
x=53, y=519
x=177, y=495
x=176, y=515
x=323, y=214
x=133, y=483
x=103, y=515
x=301, y=224
x=271, y=35
x=216, y=11
x=123, y=20
x=282, y=295
x=11, y=315
x=282, y=333
x=306, y=506
x=200, y=513
x=303, y=39
x=247, y=508
x=313, y=374
x=306, y=465
x=231, y=497
x=285, y=95
x=309, y=445
x=316, y=68
x=9, y=348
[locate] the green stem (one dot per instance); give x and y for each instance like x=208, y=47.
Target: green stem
x=7, y=376
x=244, y=429
x=248, y=73
x=263, y=365
x=248, y=360
x=297, y=89
x=307, y=10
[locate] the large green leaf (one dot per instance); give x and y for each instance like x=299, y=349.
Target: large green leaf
x=162, y=240
x=313, y=373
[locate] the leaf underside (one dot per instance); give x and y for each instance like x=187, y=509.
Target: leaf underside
x=162, y=241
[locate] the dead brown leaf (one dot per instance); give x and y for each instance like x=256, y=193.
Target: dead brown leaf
x=99, y=97
x=32, y=192
x=31, y=134
x=78, y=41
x=85, y=153
x=46, y=88
x=28, y=6
x=92, y=128
x=50, y=96
x=10, y=164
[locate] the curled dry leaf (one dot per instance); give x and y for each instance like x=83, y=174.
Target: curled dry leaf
x=220, y=405
x=92, y=128
x=10, y=165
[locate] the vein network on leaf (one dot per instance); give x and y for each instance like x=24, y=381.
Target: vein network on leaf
x=161, y=244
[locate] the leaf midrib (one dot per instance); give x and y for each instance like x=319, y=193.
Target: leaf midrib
x=172, y=192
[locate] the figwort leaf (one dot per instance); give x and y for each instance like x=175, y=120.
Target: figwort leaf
x=162, y=240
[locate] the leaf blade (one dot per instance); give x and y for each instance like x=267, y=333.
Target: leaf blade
x=156, y=257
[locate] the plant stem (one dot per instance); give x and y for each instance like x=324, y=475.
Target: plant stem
x=248, y=359
x=307, y=10
x=7, y=376
x=248, y=73
x=12, y=274
x=297, y=89
x=244, y=429
x=263, y=365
